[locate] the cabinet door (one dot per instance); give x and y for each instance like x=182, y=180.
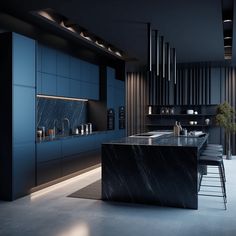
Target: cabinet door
x=63, y=64
x=39, y=82
x=94, y=74
x=48, y=171
x=75, y=88
x=49, y=84
x=74, y=68
x=94, y=91
x=23, y=114
x=23, y=56
x=23, y=169
x=48, y=151
x=63, y=86
x=49, y=60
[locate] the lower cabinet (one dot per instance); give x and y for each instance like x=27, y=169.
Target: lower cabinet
x=48, y=171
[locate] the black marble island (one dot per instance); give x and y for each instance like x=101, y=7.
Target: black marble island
x=161, y=171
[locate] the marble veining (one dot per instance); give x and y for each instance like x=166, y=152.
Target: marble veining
x=160, y=173
x=50, y=111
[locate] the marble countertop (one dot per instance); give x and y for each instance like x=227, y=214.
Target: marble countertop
x=62, y=137
x=164, y=140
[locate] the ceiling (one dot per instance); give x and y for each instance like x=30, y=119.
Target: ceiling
x=193, y=27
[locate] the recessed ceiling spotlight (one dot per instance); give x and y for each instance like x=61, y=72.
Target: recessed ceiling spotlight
x=82, y=34
x=118, y=54
x=227, y=37
x=228, y=46
x=227, y=21
x=99, y=44
x=46, y=15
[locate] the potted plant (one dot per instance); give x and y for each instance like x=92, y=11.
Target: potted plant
x=225, y=118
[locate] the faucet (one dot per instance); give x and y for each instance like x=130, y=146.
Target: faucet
x=68, y=124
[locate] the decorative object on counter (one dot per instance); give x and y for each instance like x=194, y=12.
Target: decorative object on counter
x=51, y=133
x=195, y=122
x=167, y=110
x=162, y=110
x=90, y=128
x=225, y=118
x=176, y=129
x=172, y=110
x=207, y=121
x=196, y=112
x=39, y=134
x=43, y=129
x=191, y=122
x=190, y=112
x=149, y=110
x=76, y=131
x=82, y=129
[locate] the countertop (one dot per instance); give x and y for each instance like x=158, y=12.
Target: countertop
x=164, y=140
x=62, y=137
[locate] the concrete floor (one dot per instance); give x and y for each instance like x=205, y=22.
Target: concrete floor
x=50, y=213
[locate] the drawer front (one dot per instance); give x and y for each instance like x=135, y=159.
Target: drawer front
x=48, y=151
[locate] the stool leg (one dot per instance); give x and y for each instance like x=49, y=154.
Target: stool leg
x=222, y=185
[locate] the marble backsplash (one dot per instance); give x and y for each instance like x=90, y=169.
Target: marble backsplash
x=51, y=112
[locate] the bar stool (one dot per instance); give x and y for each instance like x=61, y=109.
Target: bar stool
x=218, y=162
x=213, y=153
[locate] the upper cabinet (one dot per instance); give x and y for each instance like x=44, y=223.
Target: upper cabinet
x=23, y=52
x=63, y=75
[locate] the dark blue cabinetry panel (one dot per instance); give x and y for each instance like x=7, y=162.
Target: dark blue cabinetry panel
x=75, y=68
x=23, y=59
x=49, y=60
x=48, y=171
x=23, y=169
x=75, y=88
x=48, y=151
x=49, y=84
x=63, y=86
x=39, y=83
x=23, y=114
x=63, y=64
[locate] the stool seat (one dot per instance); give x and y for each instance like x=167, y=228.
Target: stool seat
x=214, y=148
x=210, y=160
x=214, y=145
x=211, y=153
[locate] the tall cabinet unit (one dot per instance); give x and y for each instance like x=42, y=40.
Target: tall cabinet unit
x=17, y=161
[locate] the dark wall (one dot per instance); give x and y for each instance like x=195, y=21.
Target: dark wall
x=196, y=84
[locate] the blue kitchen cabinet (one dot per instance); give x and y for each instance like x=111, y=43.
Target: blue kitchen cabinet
x=75, y=65
x=84, y=70
x=23, y=114
x=48, y=171
x=23, y=60
x=49, y=60
x=63, y=86
x=75, y=88
x=111, y=75
x=39, y=83
x=49, y=84
x=63, y=64
x=94, y=91
x=110, y=97
x=23, y=169
x=94, y=74
x=48, y=151
x=38, y=57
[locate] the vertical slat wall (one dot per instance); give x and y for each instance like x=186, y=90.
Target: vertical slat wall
x=193, y=86
x=136, y=101
x=229, y=73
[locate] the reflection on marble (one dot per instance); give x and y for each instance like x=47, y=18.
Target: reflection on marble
x=165, y=140
x=50, y=111
x=133, y=170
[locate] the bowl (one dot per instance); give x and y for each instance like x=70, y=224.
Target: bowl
x=190, y=112
x=191, y=122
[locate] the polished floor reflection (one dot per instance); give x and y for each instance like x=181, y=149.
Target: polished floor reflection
x=51, y=213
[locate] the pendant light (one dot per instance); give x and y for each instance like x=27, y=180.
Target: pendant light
x=149, y=56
